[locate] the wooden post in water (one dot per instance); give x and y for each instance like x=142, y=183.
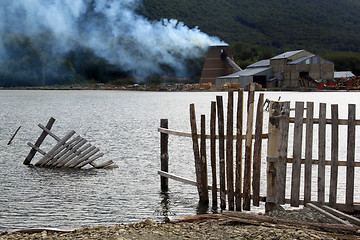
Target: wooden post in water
x=248, y=147
x=282, y=153
x=213, y=152
x=220, y=112
x=202, y=188
x=229, y=150
x=334, y=154
x=39, y=141
x=164, y=155
x=272, y=151
x=257, y=150
x=322, y=153
x=204, y=177
x=296, y=164
x=349, y=199
x=239, y=130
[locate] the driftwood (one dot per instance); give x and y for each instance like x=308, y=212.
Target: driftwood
x=13, y=136
x=262, y=220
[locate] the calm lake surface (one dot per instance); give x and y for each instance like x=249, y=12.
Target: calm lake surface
x=123, y=124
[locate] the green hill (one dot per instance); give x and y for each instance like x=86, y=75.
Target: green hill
x=318, y=26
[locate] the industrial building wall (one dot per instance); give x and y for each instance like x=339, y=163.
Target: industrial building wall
x=216, y=66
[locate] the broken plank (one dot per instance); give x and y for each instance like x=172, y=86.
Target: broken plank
x=351, y=219
x=312, y=206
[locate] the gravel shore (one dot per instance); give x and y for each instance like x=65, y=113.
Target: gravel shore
x=208, y=228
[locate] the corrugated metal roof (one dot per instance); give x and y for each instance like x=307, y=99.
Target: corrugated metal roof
x=287, y=54
x=246, y=72
x=343, y=74
x=261, y=63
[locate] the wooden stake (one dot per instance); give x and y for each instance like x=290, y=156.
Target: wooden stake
x=239, y=130
x=164, y=155
x=213, y=152
x=220, y=112
x=229, y=150
x=322, y=147
x=334, y=155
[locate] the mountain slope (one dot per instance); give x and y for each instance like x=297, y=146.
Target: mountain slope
x=283, y=24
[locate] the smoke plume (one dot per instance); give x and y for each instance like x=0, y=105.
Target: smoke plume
x=111, y=28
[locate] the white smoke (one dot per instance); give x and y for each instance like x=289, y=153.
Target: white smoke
x=111, y=28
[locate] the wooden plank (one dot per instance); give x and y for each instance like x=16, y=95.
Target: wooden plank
x=49, y=132
x=322, y=153
x=238, y=157
x=164, y=155
x=248, y=147
x=229, y=150
x=328, y=121
x=106, y=164
x=296, y=165
x=272, y=153
x=308, y=151
x=38, y=142
x=13, y=136
x=83, y=151
x=220, y=112
x=257, y=150
x=49, y=154
x=350, y=173
x=91, y=159
x=312, y=206
x=334, y=155
x=282, y=147
x=85, y=158
x=203, y=195
x=182, y=134
x=204, y=176
x=36, y=148
x=63, y=150
x=213, y=152
x=72, y=153
x=350, y=218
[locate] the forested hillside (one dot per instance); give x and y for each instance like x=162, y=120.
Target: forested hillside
x=318, y=26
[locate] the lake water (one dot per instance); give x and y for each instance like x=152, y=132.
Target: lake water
x=123, y=124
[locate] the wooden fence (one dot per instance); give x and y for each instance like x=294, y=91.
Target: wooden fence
x=67, y=153
x=239, y=170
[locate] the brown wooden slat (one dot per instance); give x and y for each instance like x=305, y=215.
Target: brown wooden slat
x=296, y=165
x=350, y=180
x=203, y=162
x=334, y=155
x=203, y=195
x=282, y=153
x=213, y=151
x=239, y=131
x=322, y=153
x=257, y=150
x=308, y=151
x=248, y=147
x=220, y=112
x=229, y=150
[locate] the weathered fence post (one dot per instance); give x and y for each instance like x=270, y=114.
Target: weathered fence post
x=257, y=150
x=334, y=154
x=220, y=112
x=213, y=152
x=239, y=130
x=164, y=155
x=202, y=188
x=272, y=151
x=204, y=177
x=296, y=164
x=350, y=174
x=248, y=147
x=308, y=151
x=322, y=153
x=39, y=141
x=229, y=150
x=282, y=153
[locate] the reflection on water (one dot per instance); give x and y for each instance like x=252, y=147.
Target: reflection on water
x=124, y=126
